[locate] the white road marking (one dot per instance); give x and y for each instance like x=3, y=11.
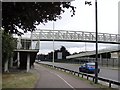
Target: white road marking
x=64, y=81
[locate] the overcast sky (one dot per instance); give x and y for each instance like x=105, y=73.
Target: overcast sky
x=84, y=20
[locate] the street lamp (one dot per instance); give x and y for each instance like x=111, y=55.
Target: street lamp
x=96, y=62
x=53, y=44
x=96, y=28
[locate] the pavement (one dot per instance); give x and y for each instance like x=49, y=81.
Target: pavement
x=49, y=78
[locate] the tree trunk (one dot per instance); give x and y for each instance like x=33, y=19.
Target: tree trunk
x=6, y=66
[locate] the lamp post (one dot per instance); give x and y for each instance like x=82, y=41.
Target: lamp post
x=96, y=61
x=53, y=44
x=96, y=28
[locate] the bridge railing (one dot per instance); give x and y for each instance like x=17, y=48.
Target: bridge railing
x=108, y=62
x=64, y=35
x=27, y=44
x=75, y=35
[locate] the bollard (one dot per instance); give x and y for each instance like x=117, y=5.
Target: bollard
x=87, y=77
x=110, y=84
x=93, y=79
x=82, y=75
x=74, y=73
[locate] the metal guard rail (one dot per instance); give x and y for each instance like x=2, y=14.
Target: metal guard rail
x=84, y=74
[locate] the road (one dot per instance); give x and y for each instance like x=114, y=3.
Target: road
x=104, y=72
x=49, y=78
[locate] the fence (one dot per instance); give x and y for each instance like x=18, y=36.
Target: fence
x=103, y=62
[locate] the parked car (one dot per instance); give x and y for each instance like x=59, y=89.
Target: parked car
x=88, y=68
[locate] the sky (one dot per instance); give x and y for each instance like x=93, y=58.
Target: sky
x=84, y=20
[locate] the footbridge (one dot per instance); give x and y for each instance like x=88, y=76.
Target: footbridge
x=72, y=36
x=28, y=44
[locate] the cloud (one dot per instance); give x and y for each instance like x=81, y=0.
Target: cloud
x=57, y=45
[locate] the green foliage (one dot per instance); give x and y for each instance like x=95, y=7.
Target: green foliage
x=8, y=45
x=26, y=15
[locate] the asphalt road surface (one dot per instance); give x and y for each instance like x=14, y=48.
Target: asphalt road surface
x=49, y=78
x=104, y=72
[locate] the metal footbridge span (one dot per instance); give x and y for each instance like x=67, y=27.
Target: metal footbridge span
x=72, y=36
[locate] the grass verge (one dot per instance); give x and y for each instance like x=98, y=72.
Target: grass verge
x=0, y=81
x=18, y=80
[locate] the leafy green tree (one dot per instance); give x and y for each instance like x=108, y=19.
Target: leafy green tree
x=8, y=45
x=26, y=15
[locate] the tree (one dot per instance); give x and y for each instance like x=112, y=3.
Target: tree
x=64, y=52
x=62, y=49
x=75, y=53
x=26, y=15
x=8, y=45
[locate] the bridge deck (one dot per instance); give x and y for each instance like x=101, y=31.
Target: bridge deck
x=73, y=36
x=69, y=36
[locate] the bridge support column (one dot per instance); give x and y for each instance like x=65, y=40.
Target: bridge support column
x=18, y=59
x=11, y=62
x=28, y=62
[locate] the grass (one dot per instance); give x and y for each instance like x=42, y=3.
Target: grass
x=18, y=80
x=103, y=87
x=0, y=80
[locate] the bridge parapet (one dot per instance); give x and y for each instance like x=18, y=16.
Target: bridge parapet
x=27, y=44
x=63, y=35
